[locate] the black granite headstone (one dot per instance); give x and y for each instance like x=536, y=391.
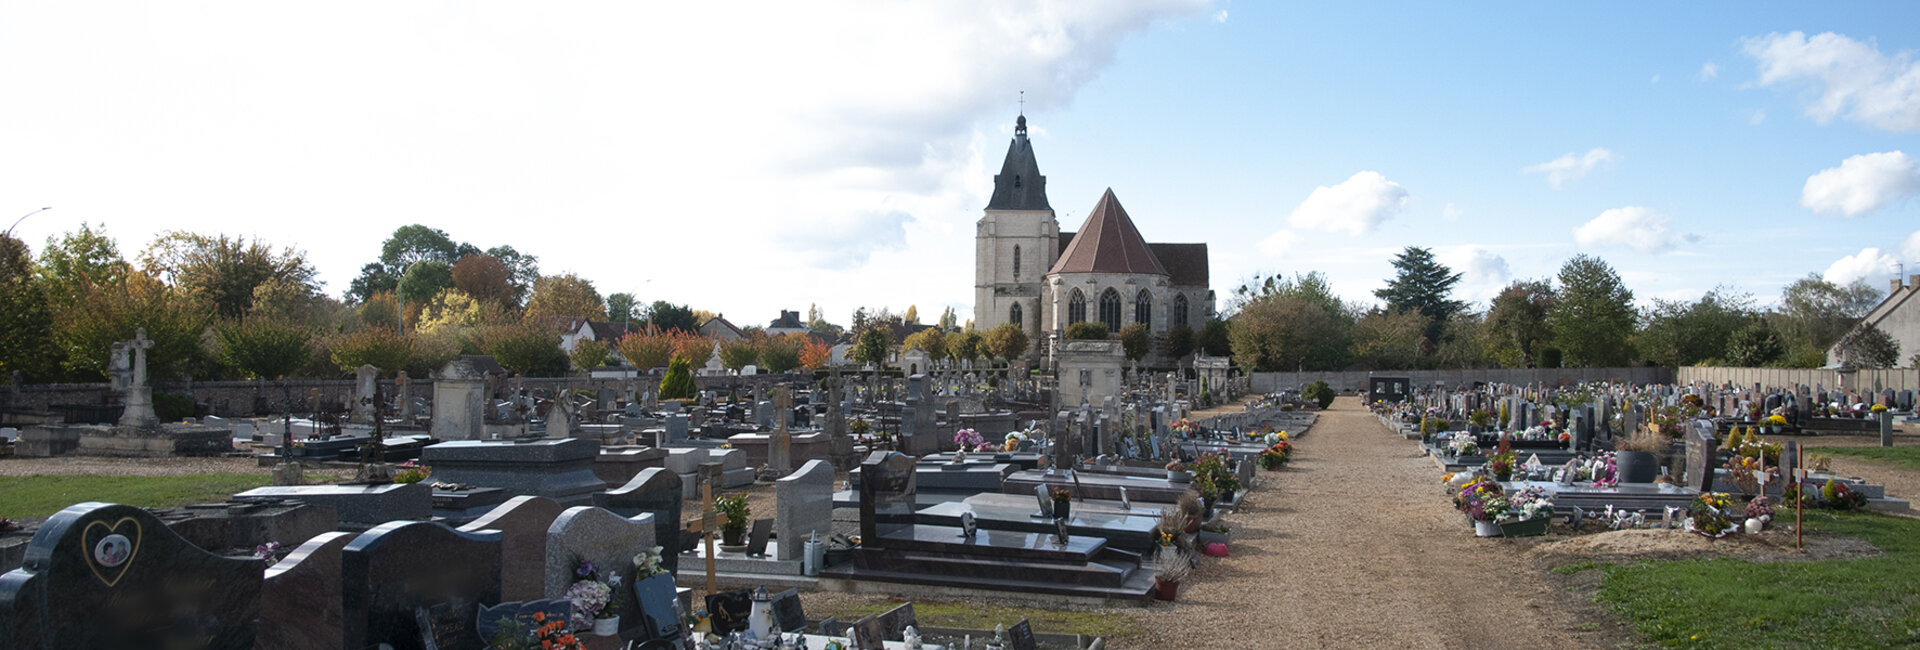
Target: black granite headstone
x=1020, y=636
x=490, y=618
x=660, y=615
x=757, y=538
x=654, y=490
x=886, y=497
x=728, y=610
x=787, y=613
x=417, y=586
x=1700, y=457
x=100, y=575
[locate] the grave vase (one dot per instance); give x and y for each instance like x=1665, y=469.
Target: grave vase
x=1062, y=509
x=1486, y=529
x=606, y=626
x=1165, y=590
x=1636, y=466
x=730, y=536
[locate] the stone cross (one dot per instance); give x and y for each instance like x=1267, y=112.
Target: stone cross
x=780, y=445
x=139, y=412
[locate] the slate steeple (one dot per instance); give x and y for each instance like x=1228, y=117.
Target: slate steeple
x=1019, y=185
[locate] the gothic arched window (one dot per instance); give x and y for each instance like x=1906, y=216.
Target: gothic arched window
x=1016, y=259
x=1180, y=310
x=1076, y=307
x=1110, y=309
x=1143, y=308
x=1013, y=315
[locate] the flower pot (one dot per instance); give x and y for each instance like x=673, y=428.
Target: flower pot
x=606, y=626
x=1165, y=590
x=1636, y=467
x=1525, y=527
x=733, y=536
x=1062, y=509
x=1486, y=529
x=1755, y=525
x=1179, y=477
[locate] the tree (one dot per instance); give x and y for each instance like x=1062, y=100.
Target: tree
x=1087, y=330
x=782, y=353
x=912, y=317
x=861, y=319
x=103, y=314
x=646, y=350
x=453, y=308
x=1517, y=328
x=1008, y=342
x=1592, y=314
x=678, y=384
x=527, y=348
x=949, y=320
x=588, y=354
x=1136, y=341
x=620, y=307
x=966, y=345
x=264, y=348
x=80, y=259
x=1677, y=333
x=1755, y=345
x=224, y=271
x=26, y=319
x=1815, y=313
x=1389, y=339
x=418, y=243
x=421, y=283
x=696, y=349
x=667, y=316
x=871, y=347
x=1867, y=346
x=739, y=353
x=485, y=278
x=1213, y=338
x=1292, y=325
x=817, y=322
x=379, y=347
x=1179, y=341
x=1462, y=345
x=522, y=270
x=815, y=354
x=380, y=310
x=930, y=339
x=1422, y=284
x=557, y=297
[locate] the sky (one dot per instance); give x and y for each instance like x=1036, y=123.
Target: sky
x=745, y=158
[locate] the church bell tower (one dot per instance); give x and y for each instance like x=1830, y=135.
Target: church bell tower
x=1015, y=242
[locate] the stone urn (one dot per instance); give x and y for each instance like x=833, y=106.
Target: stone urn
x=1636, y=466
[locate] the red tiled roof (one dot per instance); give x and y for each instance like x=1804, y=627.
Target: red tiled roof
x=1108, y=243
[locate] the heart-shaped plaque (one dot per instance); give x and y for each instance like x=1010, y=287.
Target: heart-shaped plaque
x=109, y=548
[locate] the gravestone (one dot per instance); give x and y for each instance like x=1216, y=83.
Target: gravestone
x=886, y=496
x=787, y=613
x=416, y=585
x=596, y=535
x=560, y=418
x=676, y=430
x=100, y=575
x=364, y=409
x=867, y=634
x=522, y=522
x=757, y=537
x=803, y=503
x=132, y=357
x=300, y=597
x=1700, y=457
x=661, y=615
x=489, y=620
x=893, y=624
x=1020, y=636
x=459, y=402
x=1789, y=462
x=780, y=443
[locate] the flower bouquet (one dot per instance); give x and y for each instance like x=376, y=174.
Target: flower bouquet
x=1184, y=428
x=589, y=595
x=411, y=472
x=1840, y=497
x=969, y=440
x=1463, y=444
x=547, y=635
x=1485, y=504
x=1711, y=515
x=1013, y=439
x=1500, y=465
x=1276, y=456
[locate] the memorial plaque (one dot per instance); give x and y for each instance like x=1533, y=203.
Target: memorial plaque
x=660, y=614
x=100, y=575
x=757, y=537
x=490, y=618
x=867, y=634
x=1020, y=636
x=787, y=613
x=893, y=624
x=417, y=586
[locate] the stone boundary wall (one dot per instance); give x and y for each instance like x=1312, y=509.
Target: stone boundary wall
x=1874, y=380
x=1356, y=380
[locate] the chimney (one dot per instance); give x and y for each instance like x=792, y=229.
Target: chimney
x=1913, y=281
x=1895, y=285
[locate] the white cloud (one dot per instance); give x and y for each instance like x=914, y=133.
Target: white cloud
x=1861, y=184
x=1709, y=70
x=1910, y=251
x=1868, y=263
x=1844, y=77
x=1569, y=167
x=1633, y=227
x=1483, y=273
x=1451, y=212
x=1220, y=16
x=1356, y=206
x=1280, y=243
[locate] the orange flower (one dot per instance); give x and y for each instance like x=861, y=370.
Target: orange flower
x=539, y=617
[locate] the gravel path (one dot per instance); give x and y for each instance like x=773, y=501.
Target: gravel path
x=1356, y=545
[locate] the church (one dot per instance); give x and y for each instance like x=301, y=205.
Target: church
x=1030, y=273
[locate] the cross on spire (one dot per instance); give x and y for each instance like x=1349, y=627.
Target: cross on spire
x=1023, y=102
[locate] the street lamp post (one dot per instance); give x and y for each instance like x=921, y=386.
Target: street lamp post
x=16, y=222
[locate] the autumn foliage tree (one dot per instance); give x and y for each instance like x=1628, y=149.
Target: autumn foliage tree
x=379, y=347
x=484, y=278
x=527, y=348
x=1007, y=342
x=739, y=353
x=815, y=355
x=783, y=353
x=695, y=349
x=565, y=296
x=646, y=350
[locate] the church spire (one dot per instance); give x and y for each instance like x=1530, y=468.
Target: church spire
x=1019, y=185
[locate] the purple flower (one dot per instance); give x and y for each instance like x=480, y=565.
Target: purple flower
x=585, y=570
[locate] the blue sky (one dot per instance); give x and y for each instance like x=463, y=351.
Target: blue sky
x=745, y=158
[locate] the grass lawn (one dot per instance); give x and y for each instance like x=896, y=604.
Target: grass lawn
x=1903, y=457
x=984, y=617
x=42, y=495
x=1724, y=603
